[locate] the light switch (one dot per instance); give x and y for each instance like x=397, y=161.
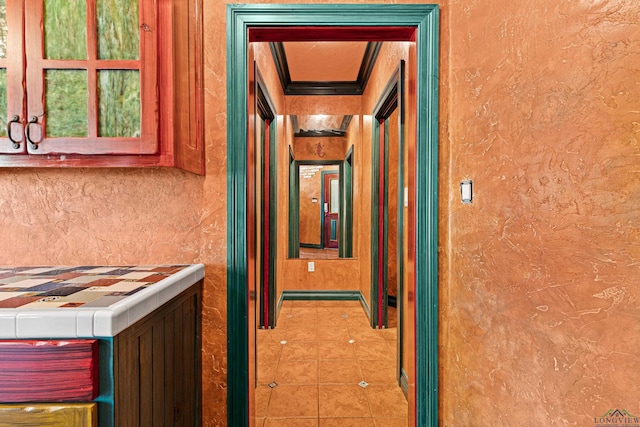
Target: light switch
x=311, y=266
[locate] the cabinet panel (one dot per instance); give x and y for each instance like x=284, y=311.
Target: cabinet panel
x=157, y=366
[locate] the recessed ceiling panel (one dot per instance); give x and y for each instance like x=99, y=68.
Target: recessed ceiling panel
x=324, y=61
x=319, y=122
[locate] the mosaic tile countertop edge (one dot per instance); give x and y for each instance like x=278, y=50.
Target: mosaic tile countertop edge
x=85, y=301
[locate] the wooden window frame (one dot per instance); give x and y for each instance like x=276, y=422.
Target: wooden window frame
x=173, y=127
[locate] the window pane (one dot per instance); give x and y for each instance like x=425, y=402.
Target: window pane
x=3, y=102
x=119, y=97
x=65, y=35
x=335, y=196
x=118, y=32
x=3, y=28
x=66, y=102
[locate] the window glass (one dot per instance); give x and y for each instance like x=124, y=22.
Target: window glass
x=119, y=103
x=65, y=35
x=118, y=29
x=66, y=106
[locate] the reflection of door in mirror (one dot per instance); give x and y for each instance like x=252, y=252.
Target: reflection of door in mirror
x=316, y=219
x=321, y=213
x=331, y=197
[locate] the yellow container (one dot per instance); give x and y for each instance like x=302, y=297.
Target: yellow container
x=49, y=415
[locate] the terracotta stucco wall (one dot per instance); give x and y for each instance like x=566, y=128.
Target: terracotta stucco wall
x=539, y=314
x=540, y=307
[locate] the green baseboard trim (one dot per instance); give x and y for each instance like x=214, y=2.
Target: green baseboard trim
x=321, y=295
x=404, y=383
x=365, y=306
x=310, y=245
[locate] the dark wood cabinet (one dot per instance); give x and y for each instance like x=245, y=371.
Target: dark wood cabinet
x=157, y=365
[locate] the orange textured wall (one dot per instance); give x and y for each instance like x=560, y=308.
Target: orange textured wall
x=541, y=299
x=538, y=300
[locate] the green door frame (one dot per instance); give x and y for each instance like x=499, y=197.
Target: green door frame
x=391, y=99
x=265, y=111
x=424, y=19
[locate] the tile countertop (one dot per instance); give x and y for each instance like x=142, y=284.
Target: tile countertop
x=85, y=301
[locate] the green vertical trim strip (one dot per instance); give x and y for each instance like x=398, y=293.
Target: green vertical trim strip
x=237, y=295
x=375, y=199
x=400, y=249
x=427, y=222
x=385, y=230
x=261, y=218
x=273, y=220
x=294, y=235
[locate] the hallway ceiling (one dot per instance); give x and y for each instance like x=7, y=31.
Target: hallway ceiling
x=324, y=68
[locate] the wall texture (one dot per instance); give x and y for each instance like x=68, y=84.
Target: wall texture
x=539, y=308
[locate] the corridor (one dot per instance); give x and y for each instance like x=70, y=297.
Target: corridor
x=324, y=366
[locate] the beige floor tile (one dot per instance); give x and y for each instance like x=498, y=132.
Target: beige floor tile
x=346, y=422
x=304, y=303
x=270, y=336
x=389, y=334
x=336, y=350
x=297, y=372
x=300, y=350
x=263, y=394
x=344, y=371
x=387, y=401
x=291, y=422
x=379, y=371
x=369, y=350
x=293, y=401
x=342, y=401
x=365, y=333
x=302, y=333
x=267, y=372
x=333, y=333
x=269, y=350
x=391, y=422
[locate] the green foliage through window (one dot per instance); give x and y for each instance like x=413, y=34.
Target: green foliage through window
x=118, y=31
x=66, y=107
x=119, y=99
x=65, y=35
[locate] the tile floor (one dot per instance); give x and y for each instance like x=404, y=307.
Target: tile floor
x=317, y=369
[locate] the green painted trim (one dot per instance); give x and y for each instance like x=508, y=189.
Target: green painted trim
x=426, y=266
x=365, y=306
x=237, y=295
x=403, y=382
x=310, y=245
x=273, y=220
x=294, y=208
x=400, y=227
x=390, y=99
x=266, y=111
x=375, y=200
x=321, y=295
x=346, y=225
x=425, y=18
x=106, y=385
